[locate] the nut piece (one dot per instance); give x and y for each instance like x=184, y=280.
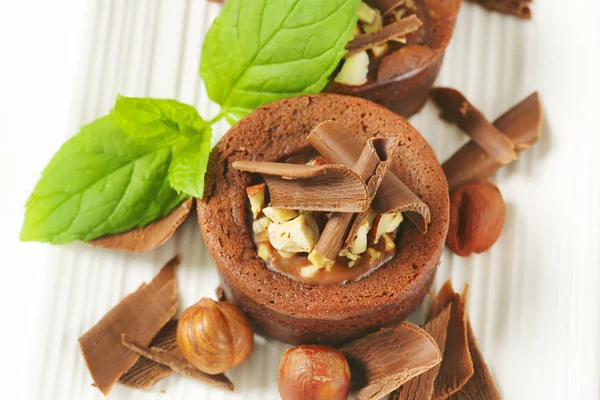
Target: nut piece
x=355, y=69
x=214, y=336
x=279, y=214
x=313, y=372
x=389, y=243
x=381, y=50
x=359, y=244
x=477, y=213
x=309, y=271
x=365, y=13
x=256, y=195
x=375, y=25
x=296, y=236
x=264, y=251
x=319, y=260
x=384, y=223
x=260, y=225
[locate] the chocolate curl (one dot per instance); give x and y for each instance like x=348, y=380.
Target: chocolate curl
x=411, y=59
x=518, y=8
x=371, y=166
x=385, y=6
x=392, y=31
x=141, y=240
x=382, y=361
x=145, y=372
x=177, y=363
x=481, y=385
x=457, y=367
x=421, y=387
x=330, y=188
x=339, y=146
x=141, y=314
x=521, y=124
x=457, y=110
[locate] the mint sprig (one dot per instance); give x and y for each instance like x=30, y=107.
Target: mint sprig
x=260, y=51
x=120, y=172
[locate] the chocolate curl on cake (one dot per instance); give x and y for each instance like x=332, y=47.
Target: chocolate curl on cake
x=328, y=188
x=518, y=8
x=339, y=146
x=385, y=6
x=521, y=124
x=371, y=166
x=392, y=31
x=457, y=110
x=407, y=59
x=382, y=361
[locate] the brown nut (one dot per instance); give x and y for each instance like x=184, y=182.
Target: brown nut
x=313, y=372
x=477, y=213
x=214, y=336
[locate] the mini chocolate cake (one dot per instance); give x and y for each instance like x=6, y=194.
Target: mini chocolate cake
x=285, y=308
x=401, y=75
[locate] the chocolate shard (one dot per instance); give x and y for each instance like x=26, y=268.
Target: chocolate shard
x=521, y=124
x=481, y=385
x=311, y=187
x=371, y=166
x=421, y=387
x=411, y=58
x=385, y=6
x=145, y=372
x=339, y=146
x=141, y=314
x=141, y=240
x=392, y=31
x=457, y=110
x=518, y=8
x=176, y=362
x=382, y=361
x=457, y=367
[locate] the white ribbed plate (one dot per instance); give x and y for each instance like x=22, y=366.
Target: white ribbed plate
x=533, y=298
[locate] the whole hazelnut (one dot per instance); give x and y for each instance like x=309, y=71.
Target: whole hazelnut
x=214, y=336
x=477, y=213
x=313, y=372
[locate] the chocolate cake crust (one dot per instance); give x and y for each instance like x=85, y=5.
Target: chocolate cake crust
x=284, y=308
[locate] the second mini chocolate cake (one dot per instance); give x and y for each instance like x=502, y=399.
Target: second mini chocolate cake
x=285, y=308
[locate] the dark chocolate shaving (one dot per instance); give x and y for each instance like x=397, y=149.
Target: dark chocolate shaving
x=382, y=361
x=518, y=8
x=141, y=240
x=481, y=386
x=409, y=59
x=311, y=187
x=392, y=31
x=142, y=314
x=145, y=372
x=422, y=386
x=521, y=124
x=177, y=363
x=371, y=166
x=456, y=368
x=339, y=146
x=385, y=6
x=457, y=110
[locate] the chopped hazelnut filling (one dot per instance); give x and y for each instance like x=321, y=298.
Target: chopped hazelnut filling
x=286, y=240
x=371, y=21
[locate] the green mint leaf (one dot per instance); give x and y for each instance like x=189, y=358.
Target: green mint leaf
x=99, y=183
x=156, y=120
x=189, y=165
x=168, y=122
x=260, y=51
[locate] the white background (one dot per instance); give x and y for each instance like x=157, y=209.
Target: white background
x=534, y=298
